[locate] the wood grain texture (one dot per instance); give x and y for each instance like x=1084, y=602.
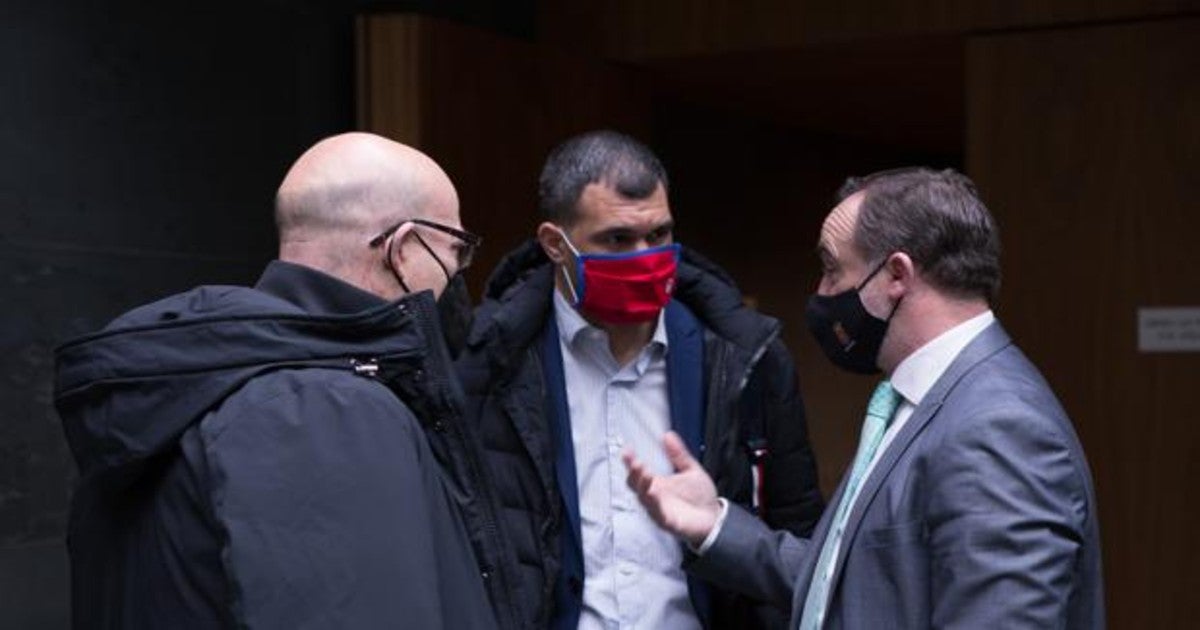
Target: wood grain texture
x=635, y=30
x=1085, y=145
x=389, y=76
x=488, y=108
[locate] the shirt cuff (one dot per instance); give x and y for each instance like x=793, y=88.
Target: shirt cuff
x=716, y=530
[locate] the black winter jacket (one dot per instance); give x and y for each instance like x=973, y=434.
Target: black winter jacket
x=258, y=458
x=751, y=395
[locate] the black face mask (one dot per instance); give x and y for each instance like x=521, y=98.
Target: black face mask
x=454, y=305
x=847, y=333
x=455, y=314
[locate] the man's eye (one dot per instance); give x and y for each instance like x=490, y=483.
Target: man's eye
x=619, y=239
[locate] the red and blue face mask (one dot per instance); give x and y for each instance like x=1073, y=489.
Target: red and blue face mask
x=627, y=288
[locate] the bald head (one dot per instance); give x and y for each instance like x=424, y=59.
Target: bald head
x=348, y=188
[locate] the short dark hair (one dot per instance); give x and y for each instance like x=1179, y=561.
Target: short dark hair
x=606, y=156
x=937, y=218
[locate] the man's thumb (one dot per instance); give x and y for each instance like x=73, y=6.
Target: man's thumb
x=677, y=452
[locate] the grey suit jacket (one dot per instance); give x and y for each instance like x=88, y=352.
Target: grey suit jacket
x=980, y=514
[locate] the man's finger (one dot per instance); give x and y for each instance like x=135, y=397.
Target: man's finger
x=642, y=480
x=629, y=458
x=677, y=452
x=637, y=479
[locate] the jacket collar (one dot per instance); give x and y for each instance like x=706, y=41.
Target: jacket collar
x=313, y=291
x=716, y=301
x=516, y=304
x=159, y=367
x=919, y=371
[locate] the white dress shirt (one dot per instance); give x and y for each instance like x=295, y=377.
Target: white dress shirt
x=632, y=574
x=917, y=373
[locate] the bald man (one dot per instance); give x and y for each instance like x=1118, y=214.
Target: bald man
x=258, y=457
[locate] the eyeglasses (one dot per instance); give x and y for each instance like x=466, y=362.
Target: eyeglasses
x=464, y=254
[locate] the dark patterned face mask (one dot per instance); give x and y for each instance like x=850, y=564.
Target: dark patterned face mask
x=848, y=334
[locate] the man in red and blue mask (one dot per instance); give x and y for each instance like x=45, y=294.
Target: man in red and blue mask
x=600, y=334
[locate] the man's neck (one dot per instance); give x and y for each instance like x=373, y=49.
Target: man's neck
x=626, y=342
x=924, y=321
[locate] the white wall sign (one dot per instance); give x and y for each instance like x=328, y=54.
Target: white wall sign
x=1169, y=329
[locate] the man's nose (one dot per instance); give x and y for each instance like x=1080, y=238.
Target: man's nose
x=824, y=287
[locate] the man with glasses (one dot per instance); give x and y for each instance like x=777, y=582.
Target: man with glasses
x=288, y=455
x=603, y=333
x=463, y=246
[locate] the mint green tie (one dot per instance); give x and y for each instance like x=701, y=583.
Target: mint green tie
x=883, y=404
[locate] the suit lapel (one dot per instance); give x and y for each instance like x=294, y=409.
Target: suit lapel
x=559, y=417
x=987, y=343
x=685, y=376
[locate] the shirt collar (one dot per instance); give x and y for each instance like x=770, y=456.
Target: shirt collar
x=571, y=324
x=917, y=373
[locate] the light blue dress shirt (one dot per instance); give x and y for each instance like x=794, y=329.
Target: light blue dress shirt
x=632, y=574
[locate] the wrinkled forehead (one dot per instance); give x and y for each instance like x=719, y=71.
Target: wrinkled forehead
x=837, y=233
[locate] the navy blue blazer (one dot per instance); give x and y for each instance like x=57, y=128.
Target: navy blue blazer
x=685, y=385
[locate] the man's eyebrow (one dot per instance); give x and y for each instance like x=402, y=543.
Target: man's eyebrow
x=625, y=230
x=619, y=230
x=825, y=255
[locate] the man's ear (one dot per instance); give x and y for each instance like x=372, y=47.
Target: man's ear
x=901, y=272
x=396, y=253
x=550, y=237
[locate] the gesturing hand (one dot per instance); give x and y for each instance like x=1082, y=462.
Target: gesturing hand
x=684, y=503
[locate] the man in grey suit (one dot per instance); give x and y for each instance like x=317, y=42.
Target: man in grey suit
x=969, y=503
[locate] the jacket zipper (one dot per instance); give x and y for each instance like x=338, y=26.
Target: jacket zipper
x=476, y=477
x=757, y=449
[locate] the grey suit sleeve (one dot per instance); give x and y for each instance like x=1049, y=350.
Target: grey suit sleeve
x=1006, y=523
x=750, y=558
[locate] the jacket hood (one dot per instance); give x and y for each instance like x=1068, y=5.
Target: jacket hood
x=712, y=295
x=517, y=298
x=129, y=391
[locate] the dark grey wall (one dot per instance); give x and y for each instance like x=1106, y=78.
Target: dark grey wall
x=140, y=147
